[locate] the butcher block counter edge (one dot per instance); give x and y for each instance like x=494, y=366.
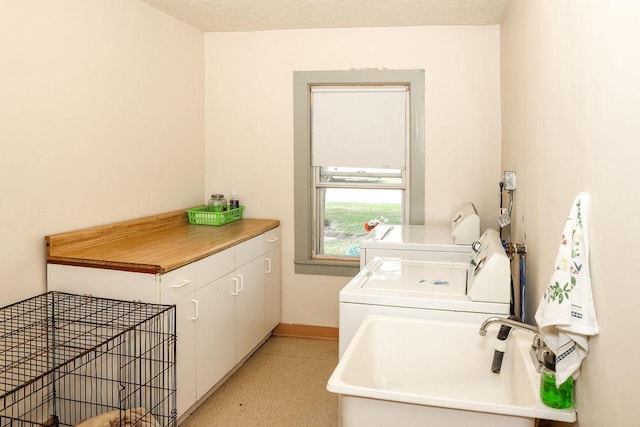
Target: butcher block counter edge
x=153, y=244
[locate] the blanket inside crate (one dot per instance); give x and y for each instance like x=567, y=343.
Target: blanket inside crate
x=137, y=417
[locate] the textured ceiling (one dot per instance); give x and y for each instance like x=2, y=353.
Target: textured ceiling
x=258, y=15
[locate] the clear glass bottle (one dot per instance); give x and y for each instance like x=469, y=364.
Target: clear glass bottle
x=558, y=397
x=217, y=203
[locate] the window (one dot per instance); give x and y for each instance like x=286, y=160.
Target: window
x=359, y=156
x=347, y=198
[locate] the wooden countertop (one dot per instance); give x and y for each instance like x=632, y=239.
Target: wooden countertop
x=155, y=244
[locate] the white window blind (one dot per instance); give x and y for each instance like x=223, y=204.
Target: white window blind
x=359, y=126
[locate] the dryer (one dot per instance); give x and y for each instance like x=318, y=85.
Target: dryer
x=453, y=291
x=449, y=243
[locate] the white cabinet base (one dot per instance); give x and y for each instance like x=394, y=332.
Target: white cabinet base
x=226, y=306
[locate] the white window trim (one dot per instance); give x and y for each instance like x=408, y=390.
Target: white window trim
x=303, y=171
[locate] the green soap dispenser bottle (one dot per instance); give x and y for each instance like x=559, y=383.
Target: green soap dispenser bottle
x=558, y=397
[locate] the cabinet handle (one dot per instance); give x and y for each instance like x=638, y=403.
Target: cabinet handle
x=241, y=282
x=181, y=284
x=268, y=270
x=237, y=291
x=273, y=240
x=197, y=313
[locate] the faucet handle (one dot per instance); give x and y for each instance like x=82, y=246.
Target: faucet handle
x=538, y=343
x=537, y=356
x=544, y=353
x=537, y=352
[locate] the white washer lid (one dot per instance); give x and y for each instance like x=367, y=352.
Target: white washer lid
x=417, y=277
x=412, y=237
x=412, y=284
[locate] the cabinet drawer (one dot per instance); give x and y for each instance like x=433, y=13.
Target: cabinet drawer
x=271, y=239
x=214, y=267
x=177, y=283
x=124, y=285
x=249, y=250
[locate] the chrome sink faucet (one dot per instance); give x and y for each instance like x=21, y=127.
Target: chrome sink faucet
x=538, y=347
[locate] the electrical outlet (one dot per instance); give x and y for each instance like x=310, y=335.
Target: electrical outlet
x=509, y=180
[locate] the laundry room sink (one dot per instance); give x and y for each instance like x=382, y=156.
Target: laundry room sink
x=406, y=372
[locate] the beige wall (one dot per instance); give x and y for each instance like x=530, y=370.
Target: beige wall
x=250, y=125
x=571, y=102
x=101, y=119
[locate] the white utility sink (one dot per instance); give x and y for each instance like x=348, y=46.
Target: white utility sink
x=407, y=372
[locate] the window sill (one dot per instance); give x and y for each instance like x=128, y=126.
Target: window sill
x=328, y=267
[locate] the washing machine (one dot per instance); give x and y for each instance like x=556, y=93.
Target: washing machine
x=453, y=291
x=450, y=242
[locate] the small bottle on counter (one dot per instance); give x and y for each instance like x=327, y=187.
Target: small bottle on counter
x=558, y=397
x=234, y=203
x=217, y=203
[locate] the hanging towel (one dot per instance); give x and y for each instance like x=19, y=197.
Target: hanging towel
x=566, y=314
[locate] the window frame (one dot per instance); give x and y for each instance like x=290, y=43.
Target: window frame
x=304, y=189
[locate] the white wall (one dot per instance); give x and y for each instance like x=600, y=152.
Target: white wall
x=571, y=102
x=101, y=120
x=250, y=125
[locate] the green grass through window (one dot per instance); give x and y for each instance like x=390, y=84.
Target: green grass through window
x=344, y=223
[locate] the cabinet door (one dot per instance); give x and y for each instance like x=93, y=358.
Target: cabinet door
x=271, y=290
x=249, y=307
x=186, y=317
x=215, y=345
x=178, y=287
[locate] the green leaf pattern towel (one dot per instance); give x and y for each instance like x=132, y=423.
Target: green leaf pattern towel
x=566, y=314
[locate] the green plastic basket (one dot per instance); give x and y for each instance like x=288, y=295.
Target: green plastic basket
x=203, y=215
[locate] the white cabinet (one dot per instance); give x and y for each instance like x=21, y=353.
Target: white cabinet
x=271, y=263
x=226, y=304
x=249, y=307
x=216, y=334
x=271, y=289
x=216, y=329
x=176, y=287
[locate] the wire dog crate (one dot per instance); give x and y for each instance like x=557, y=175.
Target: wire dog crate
x=67, y=359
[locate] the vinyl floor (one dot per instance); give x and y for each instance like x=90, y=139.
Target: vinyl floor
x=283, y=384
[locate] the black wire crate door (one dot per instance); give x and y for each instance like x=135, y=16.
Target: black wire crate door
x=73, y=360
